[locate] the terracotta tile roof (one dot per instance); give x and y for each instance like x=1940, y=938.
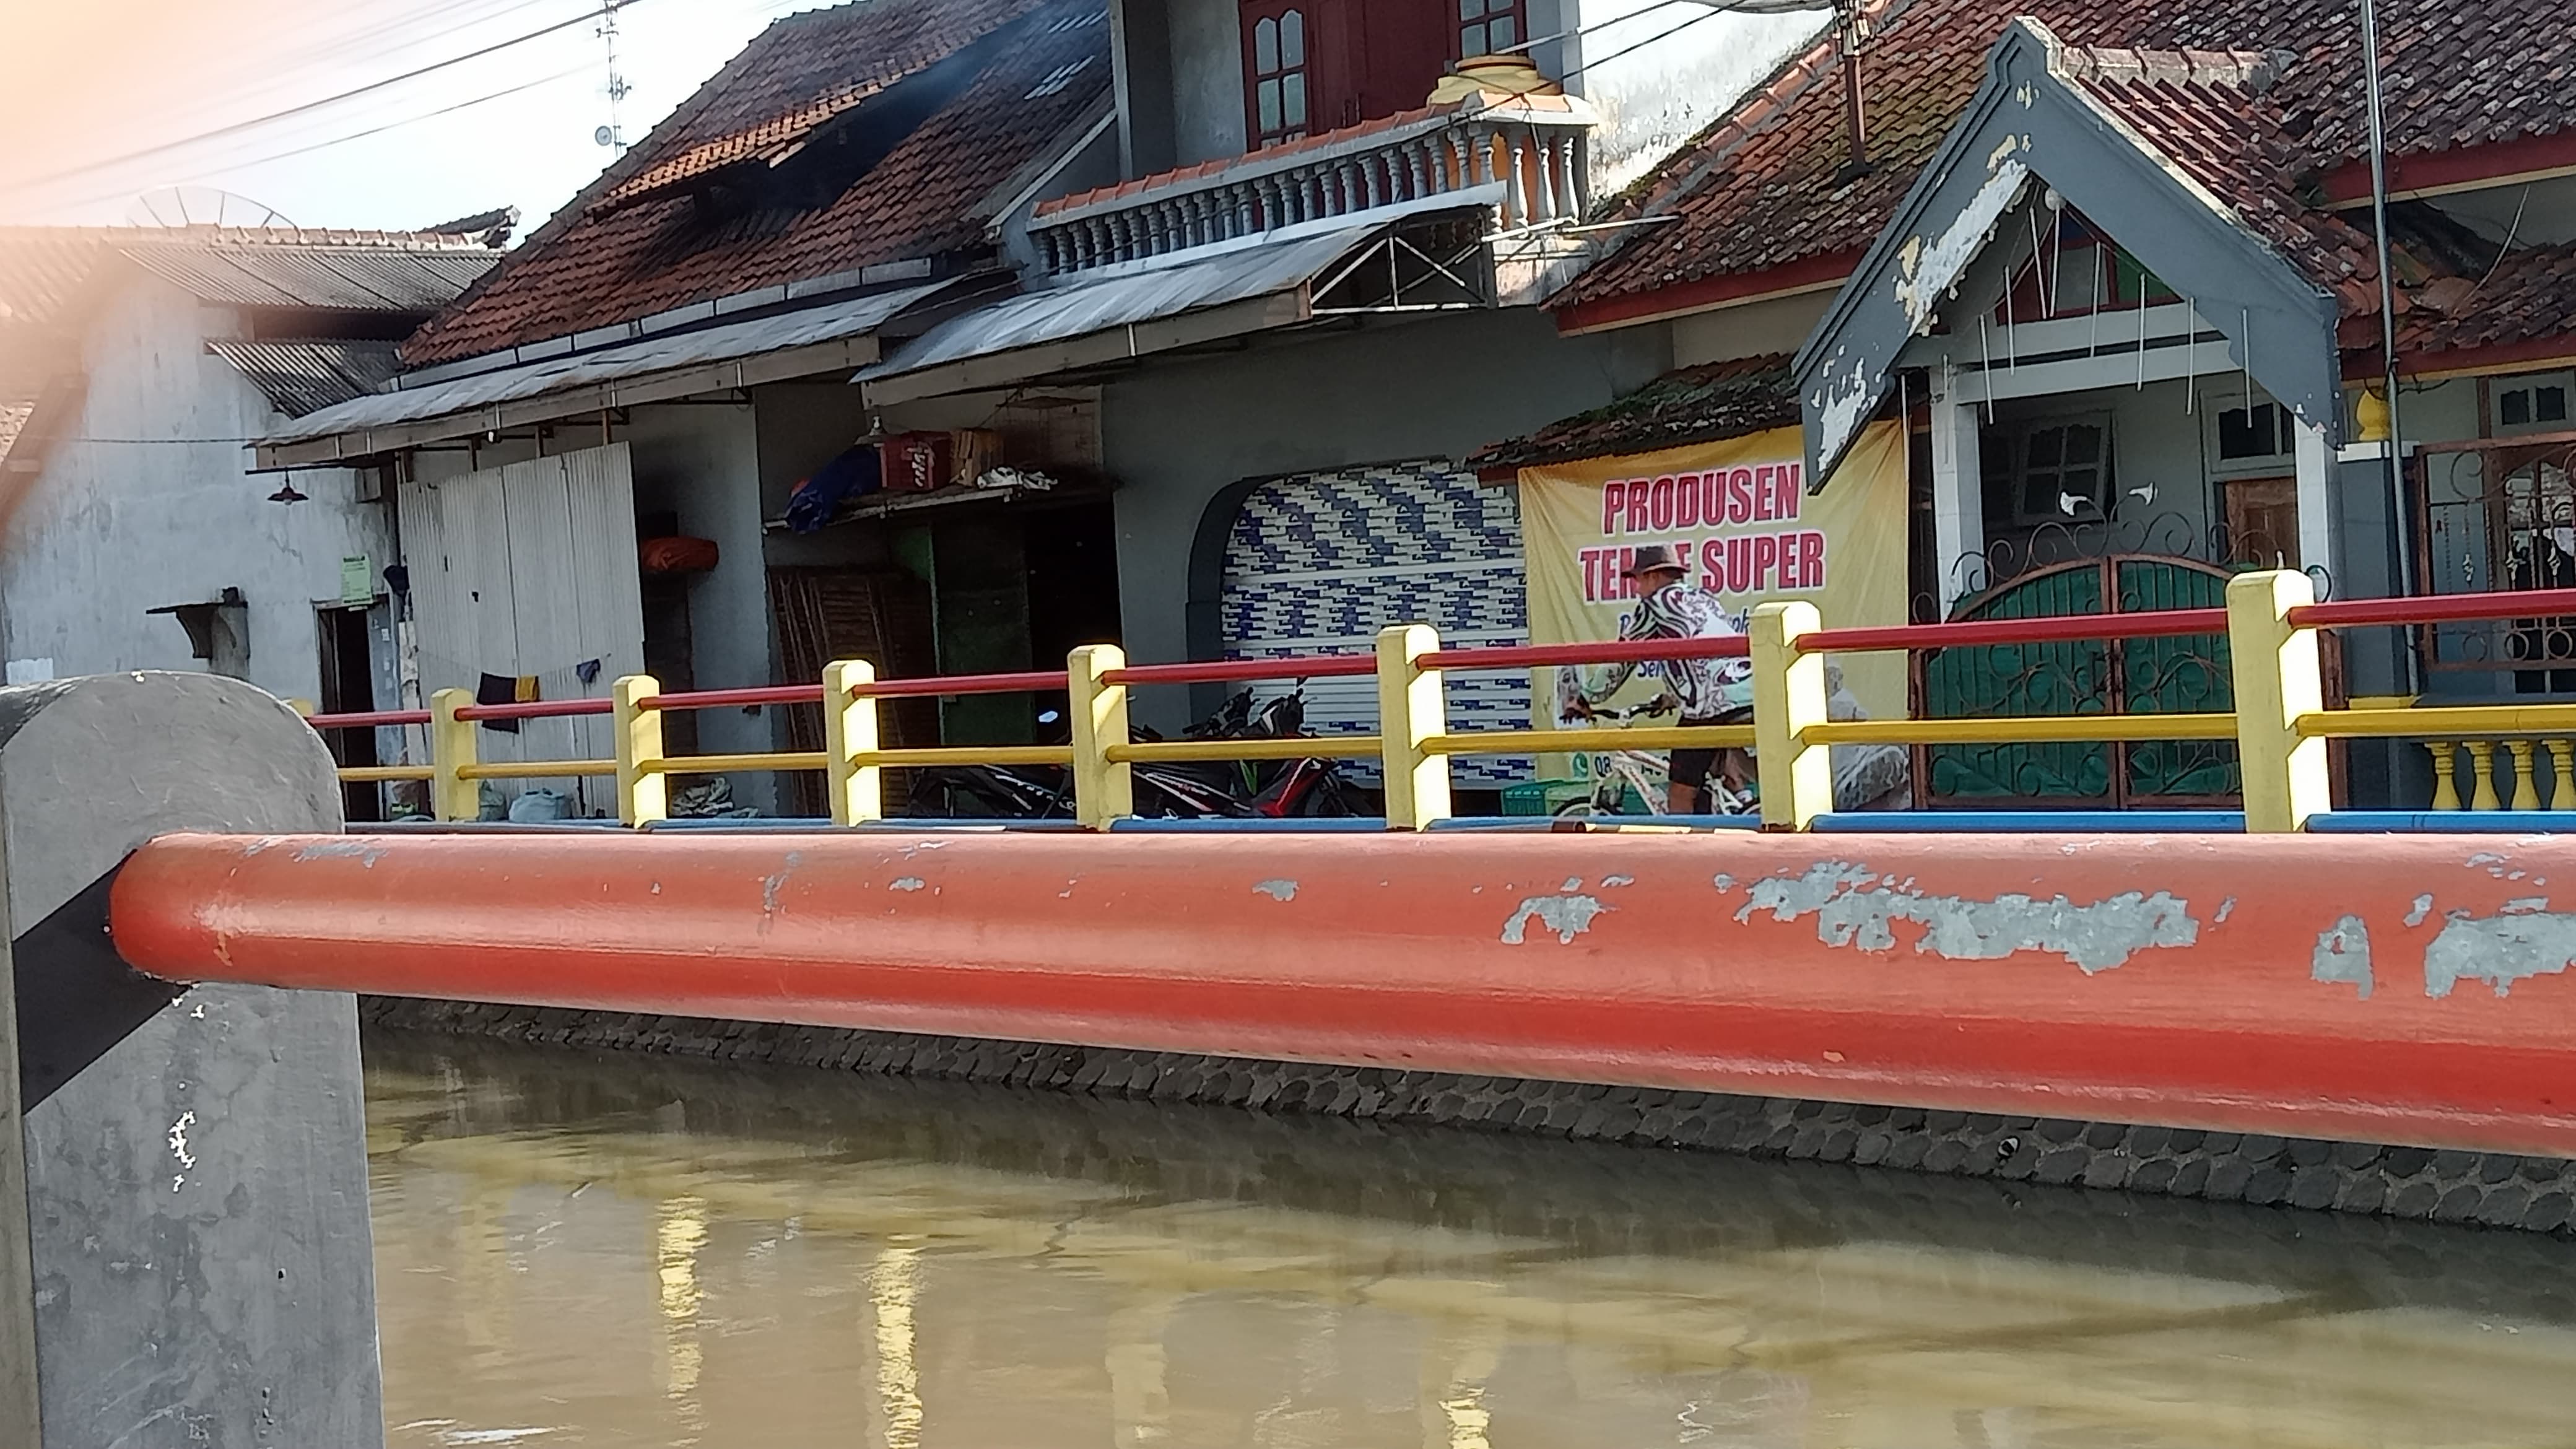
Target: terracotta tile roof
x=1705, y=404
x=595, y=264
x=2212, y=116
x=771, y=140
x=1763, y=187
x=2532, y=293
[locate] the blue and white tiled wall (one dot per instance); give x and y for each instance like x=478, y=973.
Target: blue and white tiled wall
x=1319, y=563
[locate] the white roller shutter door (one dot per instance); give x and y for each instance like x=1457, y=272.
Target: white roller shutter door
x=1319, y=562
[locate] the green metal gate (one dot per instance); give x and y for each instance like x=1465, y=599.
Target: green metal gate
x=2125, y=676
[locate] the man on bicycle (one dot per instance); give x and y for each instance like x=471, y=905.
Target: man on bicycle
x=1707, y=691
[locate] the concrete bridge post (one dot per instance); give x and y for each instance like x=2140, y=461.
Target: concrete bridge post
x=184, y=1249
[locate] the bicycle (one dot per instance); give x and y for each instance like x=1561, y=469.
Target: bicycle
x=1617, y=773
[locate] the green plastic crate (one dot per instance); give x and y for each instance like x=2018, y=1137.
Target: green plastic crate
x=1543, y=797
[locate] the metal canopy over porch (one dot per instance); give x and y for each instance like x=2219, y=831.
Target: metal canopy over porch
x=823, y=339
x=1420, y=257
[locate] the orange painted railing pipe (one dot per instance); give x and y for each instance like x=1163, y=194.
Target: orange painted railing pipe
x=2402, y=989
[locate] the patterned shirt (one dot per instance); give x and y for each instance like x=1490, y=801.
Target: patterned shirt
x=1706, y=688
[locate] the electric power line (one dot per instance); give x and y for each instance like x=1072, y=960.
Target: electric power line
x=1750, y=7
x=1714, y=7
x=307, y=107
x=768, y=9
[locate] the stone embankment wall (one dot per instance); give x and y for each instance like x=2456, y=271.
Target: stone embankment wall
x=2494, y=1189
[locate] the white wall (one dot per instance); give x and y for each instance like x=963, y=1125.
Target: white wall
x=1684, y=66
x=523, y=569
x=701, y=462
x=147, y=503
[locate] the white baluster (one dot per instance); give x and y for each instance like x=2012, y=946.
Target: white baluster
x=1516, y=195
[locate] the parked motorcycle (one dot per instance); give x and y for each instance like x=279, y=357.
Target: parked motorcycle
x=1250, y=789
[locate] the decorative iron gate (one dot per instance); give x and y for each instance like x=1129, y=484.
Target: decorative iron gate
x=2119, y=676
x=2499, y=514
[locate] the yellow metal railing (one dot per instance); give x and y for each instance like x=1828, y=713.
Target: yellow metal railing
x=2280, y=725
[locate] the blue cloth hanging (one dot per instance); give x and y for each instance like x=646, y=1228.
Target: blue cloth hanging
x=855, y=473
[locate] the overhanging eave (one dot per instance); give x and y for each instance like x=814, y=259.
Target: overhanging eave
x=2029, y=125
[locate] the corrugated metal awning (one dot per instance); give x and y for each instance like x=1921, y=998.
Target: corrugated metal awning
x=739, y=354
x=1115, y=313
x=348, y=279
x=305, y=377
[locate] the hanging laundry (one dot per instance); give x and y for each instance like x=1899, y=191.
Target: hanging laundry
x=498, y=689
x=587, y=671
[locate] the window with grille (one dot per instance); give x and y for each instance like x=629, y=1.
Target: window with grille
x=1490, y=27
x=1277, y=78
x=2533, y=404
x=2050, y=472
x=2251, y=437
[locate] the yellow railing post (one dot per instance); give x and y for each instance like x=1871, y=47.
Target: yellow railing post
x=2446, y=785
x=451, y=749
x=2279, y=678
x=2482, y=795
x=2562, y=787
x=643, y=791
x=1797, y=778
x=1412, y=706
x=1104, y=790
x=2526, y=787
x=850, y=731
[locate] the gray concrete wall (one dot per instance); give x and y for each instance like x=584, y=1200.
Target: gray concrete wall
x=197, y=1196
x=147, y=504
x=1180, y=432
x=1207, y=80
x=804, y=425
x=2155, y=444
x=701, y=462
x=1749, y=330
x=1141, y=58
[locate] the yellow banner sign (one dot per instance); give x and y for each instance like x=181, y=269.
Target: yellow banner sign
x=1738, y=515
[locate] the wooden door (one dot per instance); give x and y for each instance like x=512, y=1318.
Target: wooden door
x=2262, y=521
x=1404, y=49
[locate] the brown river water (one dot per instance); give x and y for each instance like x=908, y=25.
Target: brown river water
x=628, y=1251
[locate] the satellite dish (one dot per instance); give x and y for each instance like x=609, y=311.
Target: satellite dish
x=605, y=135
x=180, y=206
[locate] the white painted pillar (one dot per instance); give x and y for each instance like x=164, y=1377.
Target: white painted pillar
x=1958, y=492
x=2316, y=493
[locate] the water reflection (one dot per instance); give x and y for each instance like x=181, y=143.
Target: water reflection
x=618, y=1251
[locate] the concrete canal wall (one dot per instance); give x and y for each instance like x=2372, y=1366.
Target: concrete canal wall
x=2503, y=1190
x=2377, y=1024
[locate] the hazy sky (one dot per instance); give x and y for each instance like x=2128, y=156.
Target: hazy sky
x=111, y=99
x=117, y=77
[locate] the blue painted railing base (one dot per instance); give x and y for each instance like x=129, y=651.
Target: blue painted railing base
x=2442, y=822
x=2034, y=822
x=1540, y=824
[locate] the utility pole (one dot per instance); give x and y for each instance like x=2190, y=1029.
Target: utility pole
x=612, y=135
x=2387, y=302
